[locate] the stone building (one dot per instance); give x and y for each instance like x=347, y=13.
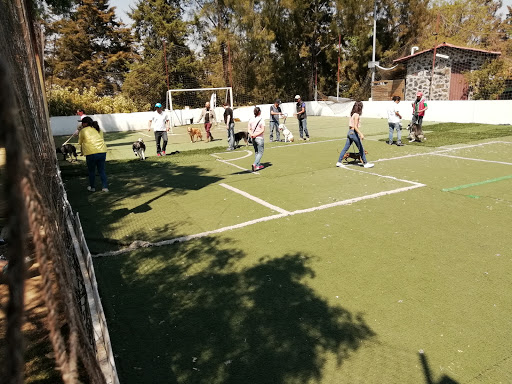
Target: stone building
x=448, y=81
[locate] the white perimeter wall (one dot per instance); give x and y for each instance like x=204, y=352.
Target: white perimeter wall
x=474, y=111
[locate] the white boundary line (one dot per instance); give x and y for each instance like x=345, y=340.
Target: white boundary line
x=441, y=151
x=469, y=158
x=182, y=239
x=254, y=198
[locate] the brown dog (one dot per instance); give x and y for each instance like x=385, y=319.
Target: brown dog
x=194, y=132
x=354, y=155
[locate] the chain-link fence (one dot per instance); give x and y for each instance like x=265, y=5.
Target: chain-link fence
x=41, y=227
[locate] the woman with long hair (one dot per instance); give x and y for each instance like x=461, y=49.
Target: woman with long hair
x=256, y=129
x=355, y=135
x=94, y=148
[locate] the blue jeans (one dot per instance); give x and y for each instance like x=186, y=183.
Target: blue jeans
x=303, y=126
x=259, y=146
x=396, y=127
x=352, y=137
x=274, y=125
x=94, y=161
x=231, y=135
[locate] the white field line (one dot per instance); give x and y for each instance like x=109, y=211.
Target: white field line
x=469, y=158
x=143, y=244
x=440, y=151
x=249, y=153
x=228, y=162
x=385, y=176
x=254, y=198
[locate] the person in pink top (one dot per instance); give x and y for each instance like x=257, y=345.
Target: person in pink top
x=256, y=129
x=355, y=135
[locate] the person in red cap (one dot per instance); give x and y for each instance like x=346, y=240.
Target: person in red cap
x=419, y=106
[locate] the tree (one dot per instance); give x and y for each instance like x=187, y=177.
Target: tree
x=156, y=22
x=89, y=48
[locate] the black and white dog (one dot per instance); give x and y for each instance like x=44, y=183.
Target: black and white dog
x=139, y=148
x=67, y=149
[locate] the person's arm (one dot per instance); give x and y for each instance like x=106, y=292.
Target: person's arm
x=424, y=109
x=149, y=124
x=167, y=124
x=398, y=113
x=201, y=115
x=214, y=118
x=356, y=127
x=228, y=120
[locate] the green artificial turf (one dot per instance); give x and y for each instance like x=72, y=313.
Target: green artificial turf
x=344, y=294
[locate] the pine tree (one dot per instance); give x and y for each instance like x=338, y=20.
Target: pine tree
x=89, y=48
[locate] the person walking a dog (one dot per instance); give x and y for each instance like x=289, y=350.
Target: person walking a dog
x=161, y=125
x=419, y=106
x=209, y=118
x=256, y=129
x=230, y=124
x=275, y=112
x=355, y=135
x=94, y=149
x=394, y=121
x=302, y=117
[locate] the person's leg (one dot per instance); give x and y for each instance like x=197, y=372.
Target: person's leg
x=419, y=130
x=165, y=139
x=101, y=159
x=359, y=145
x=305, y=126
x=301, y=129
x=157, y=139
x=278, y=135
x=91, y=168
x=391, y=127
x=271, y=137
x=345, y=148
x=259, y=147
x=231, y=136
x=207, y=127
x=398, y=133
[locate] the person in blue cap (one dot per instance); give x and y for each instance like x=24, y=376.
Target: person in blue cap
x=161, y=125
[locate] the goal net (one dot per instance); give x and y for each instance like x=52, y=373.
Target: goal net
x=185, y=104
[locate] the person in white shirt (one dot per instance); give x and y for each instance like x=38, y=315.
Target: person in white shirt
x=160, y=123
x=394, y=121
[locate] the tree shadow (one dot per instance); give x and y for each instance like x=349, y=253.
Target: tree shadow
x=188, y=313
x=129, y=182
x=428, y=374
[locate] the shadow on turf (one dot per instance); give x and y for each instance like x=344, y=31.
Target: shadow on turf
x=428, y=374
x=191, y=313
x=133, y=181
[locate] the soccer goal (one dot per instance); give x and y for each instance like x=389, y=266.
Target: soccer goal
x=184, y=103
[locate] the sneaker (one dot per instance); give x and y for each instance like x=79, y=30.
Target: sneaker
x=253, y=167
x=259, y=167
x=369, y=165
x=399, y=144
x=91, y=189
x=163, y=153
x=389, y=142
x=159, y=154
x=338, y=164
x=105, y=189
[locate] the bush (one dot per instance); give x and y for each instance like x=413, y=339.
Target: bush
x=64, y=101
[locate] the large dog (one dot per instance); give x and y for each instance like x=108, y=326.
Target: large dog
x=288, y=136
x=139, y=148
x=67, y=149
x=239, y=136
x=195, y=133
x=354, y=155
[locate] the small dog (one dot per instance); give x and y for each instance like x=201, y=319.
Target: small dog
x=67, y=149
x=139, y=148
x=195, y=132
x=354, y=155
x=239, y=136
x=288, y=136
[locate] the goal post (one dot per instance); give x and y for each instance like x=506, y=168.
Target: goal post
x=184, y=101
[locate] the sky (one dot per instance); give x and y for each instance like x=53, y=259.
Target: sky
x=123, y=6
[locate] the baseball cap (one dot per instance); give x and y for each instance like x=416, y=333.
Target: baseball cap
x=419, y=94
x=278, y=101
x=297, y=97
x=158, y=105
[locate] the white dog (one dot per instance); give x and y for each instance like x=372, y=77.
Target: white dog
x=288, y=136
x=139, y=148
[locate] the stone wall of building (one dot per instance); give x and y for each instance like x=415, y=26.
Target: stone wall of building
x=419, y=71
